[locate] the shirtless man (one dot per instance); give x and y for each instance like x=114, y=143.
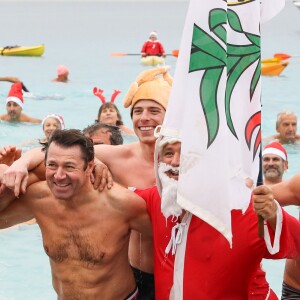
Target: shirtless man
x=288, y=193
x=85, y=232
x=286, y=126
x=131, y=165
x=14, y=106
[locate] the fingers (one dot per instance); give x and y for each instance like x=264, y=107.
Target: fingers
x=101, y=177
x=261, y=190
x=23, y=186
x=110, y=181
x=9, y=154
x=263, y=202
x=97, y=176
x=16, y=181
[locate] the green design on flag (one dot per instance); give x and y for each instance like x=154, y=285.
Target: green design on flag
x=209, y=55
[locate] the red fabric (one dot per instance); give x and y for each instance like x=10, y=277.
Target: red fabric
x=153, y=48
x=163, y=264
x=212, y=269
x=260, y=287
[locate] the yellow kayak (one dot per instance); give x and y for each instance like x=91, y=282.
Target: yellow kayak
x=273, y=69
x=23, y=50
x=152, y=60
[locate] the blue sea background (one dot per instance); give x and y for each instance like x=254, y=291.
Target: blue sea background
x=82, y=35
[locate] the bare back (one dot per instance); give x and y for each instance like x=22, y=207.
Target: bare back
x=88, y=243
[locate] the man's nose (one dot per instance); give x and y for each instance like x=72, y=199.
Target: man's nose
x=145, y=115
x=175, y=160
x=60, y=174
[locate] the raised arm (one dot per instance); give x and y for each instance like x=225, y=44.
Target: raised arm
x=16, y=176
x=288, y=191
x=10, y=79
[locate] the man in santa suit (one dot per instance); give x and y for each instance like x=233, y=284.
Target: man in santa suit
x=153, y=46
x=192, y=260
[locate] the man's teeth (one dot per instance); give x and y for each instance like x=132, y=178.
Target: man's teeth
x=61, y=184
x=145, y=128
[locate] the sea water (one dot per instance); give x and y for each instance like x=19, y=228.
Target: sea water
x=82, y=35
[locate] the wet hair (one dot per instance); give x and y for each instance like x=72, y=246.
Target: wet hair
x=69, y=138
x=284, y=113
x=115, y=136
x=110, y=105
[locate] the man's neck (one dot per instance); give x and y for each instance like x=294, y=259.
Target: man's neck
x=272, y=181
x=147, y=151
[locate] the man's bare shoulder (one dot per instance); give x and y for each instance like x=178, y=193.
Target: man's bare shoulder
x=4, y=117
x=112, y=152
x=38, y=190
x=28, y=119
x=125, y=200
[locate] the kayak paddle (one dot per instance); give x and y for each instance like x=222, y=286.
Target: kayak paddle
x=174, y=53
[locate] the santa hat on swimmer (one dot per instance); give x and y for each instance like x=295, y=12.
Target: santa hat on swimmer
x=15, y=94
x=275, y=148
x=153, y=34
x=56, y=117
x=153, y=84
x=166, y=186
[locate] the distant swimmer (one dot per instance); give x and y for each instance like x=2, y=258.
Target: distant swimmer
x=286, y=126
x=50, y=123
x=62, y=74
x=14, y=106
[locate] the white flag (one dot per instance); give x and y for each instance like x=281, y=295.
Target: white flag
x=215, y=108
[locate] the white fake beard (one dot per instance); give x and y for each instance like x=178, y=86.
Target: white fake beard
x=169, y=206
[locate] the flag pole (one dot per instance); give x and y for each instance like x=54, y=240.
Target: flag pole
x=260, y=182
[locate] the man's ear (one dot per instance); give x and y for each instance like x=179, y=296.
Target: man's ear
x=286, y=165
x=90, y=167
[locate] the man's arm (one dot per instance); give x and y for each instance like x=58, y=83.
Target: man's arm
x=134, y=207
x=288, y=191
x=26, y=118
x=140, y=220
x=16, y=176
x=10, y=79
x=17, y=212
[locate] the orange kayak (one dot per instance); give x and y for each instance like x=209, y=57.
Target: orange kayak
x=273, y=68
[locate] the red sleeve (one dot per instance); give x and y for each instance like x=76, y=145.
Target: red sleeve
x=144, y=47
x=162, y=50
x=289, y=239
x=149, y=195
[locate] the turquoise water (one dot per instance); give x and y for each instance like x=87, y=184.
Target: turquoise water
x=82, y=35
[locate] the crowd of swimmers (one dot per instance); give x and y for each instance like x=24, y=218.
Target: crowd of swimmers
x=105, y=241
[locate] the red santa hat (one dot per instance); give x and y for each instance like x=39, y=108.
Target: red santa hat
x=57, y=117
x=15, y=94
x=276, y=149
